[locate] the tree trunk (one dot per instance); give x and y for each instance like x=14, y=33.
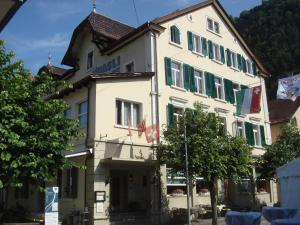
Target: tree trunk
x=214, y=201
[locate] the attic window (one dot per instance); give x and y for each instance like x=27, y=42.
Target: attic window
x=213, y=26
x=90, y=59
x=175, y=35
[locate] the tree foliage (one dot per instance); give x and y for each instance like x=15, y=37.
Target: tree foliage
x=285, y=149
x=34, y=132
x=212, y=153
x=273, y=32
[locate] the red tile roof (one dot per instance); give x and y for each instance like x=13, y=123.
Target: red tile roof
x=282, y=110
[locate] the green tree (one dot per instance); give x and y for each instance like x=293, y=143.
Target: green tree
x=285, y=149
x=34, y=133
x=212, y=153
x=274, y=36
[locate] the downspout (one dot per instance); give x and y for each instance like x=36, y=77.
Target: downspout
x=157, y=118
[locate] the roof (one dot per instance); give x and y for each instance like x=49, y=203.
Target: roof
x=227, y=19
x=100, y=25
x=282, y=110
x=57, y=71
x=103, y=76
x=8, y=9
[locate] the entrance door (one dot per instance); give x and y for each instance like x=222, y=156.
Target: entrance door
x=119, y=190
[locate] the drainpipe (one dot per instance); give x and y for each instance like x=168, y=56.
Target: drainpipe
x=154, y=68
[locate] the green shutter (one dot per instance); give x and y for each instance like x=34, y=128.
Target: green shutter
x=207, y=83
x=204, y=46
x=254, y=68
x=210, y=85
x=213, y=85
x=177, y=35
x=244, y=87
x=262, y=135
x=192, y=80
x=249, y=133
x=244, y=65
x=210, y=49
x=239, y=59
x=168, y=71
x=186, y=76
x=228, y=57
x=229, y=94
x=190, y=40
x=170, y=115
x=222, y=54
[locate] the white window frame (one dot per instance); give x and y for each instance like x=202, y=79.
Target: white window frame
x=216, y=51
x=87, y=60
x=202, y=78
x=170, y=37
x=128, y=63
x=196, y=36
x=222, y=87
x=180, y=71
x=249, y=67
x=123, y=101
x=82, y=114
x=214, y=22
x=256, y=130
x=64, y=182
x=233, y=57
x=235, y=91
x=224, y=123
x=236, y=128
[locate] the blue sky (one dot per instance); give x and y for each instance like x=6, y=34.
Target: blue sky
x=43, y=26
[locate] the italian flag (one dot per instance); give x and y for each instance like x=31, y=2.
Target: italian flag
x=248, y=100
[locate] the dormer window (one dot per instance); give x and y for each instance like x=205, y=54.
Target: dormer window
x=175, y=35
x=90, y=59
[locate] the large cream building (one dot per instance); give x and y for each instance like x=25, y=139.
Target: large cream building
x=122, y=75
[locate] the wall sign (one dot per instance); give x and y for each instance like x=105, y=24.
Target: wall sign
x=51, y=206
x=111, y=66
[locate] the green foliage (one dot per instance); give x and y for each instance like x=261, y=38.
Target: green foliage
x=285, y=149
x=274, y=36
x=34, y=133
x=212, y=154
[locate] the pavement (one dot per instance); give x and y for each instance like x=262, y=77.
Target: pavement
x=221, y=221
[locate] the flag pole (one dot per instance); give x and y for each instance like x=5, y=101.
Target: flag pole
x=187, y=177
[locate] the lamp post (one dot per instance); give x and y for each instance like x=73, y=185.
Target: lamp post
x=187, y=177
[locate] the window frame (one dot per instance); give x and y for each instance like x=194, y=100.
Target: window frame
x=88, y=66
x=202, y=78
x=256, y=130
x=235, y=91
x=221, y=84
x=194, y=36
x=174, y=81
x=64, y=194
x=123, y=124
x=236, y=128
x=214, y=22
x=224, y=122
x=249, y=67
x=170, y=36
x=233, y=58
x=79, y=115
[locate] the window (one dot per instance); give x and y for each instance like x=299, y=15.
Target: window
x=216, y=52
x=201, y=186
x=262, y=185
x=236, y=88
x=256, y=134
x=245, y=185
x=199, y=81
x=128, y=113
x=210, y=24
x=175, y=34
x=177, y=113
x=82, y=114
x=129, y=68
x=176, y=74
x=197, y=44
x=219, y=87
x=176, y=183
x=67, y=181
x=239, y=129
x=233, y=57
x=223, y=124
x=90, y=59
x=68, y=113
x=249, y=67
x=213, y=26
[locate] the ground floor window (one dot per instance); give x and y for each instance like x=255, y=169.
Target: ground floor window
x=176, y=183
x=68, y=183
x=244, y=186
x=202, y=186
x=263, y=186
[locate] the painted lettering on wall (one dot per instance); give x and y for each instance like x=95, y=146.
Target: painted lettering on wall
x=111, y=66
